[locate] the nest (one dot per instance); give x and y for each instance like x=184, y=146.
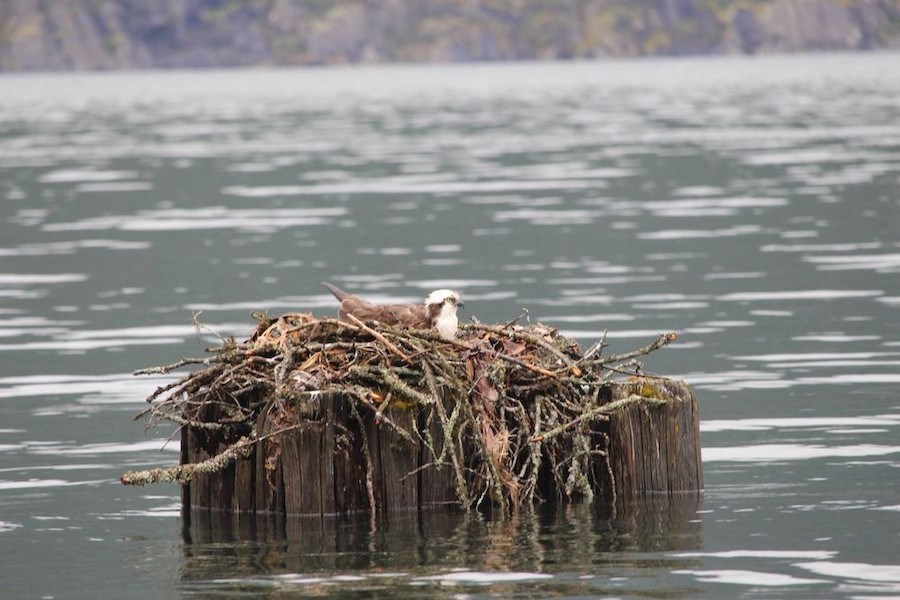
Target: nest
x=522, y=398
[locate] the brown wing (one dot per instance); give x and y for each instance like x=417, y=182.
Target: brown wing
x=356, y=306
x=407, y=315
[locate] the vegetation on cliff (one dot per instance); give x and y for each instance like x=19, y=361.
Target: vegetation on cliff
x=104, y=34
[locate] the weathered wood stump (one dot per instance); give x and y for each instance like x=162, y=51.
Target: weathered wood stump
x=654, y=443
x=338, y=460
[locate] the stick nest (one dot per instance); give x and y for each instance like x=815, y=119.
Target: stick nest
x=509, y=400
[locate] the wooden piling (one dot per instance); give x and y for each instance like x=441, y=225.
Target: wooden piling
x=323, y=465
x=654, y=437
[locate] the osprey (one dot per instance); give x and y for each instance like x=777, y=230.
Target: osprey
x=439, y=311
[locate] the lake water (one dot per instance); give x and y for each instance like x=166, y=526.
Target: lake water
x=750, y=205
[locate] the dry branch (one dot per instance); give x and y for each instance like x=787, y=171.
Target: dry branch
x=185, y=472
x=663, y=340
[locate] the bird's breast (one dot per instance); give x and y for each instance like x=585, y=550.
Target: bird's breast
x=446, y=326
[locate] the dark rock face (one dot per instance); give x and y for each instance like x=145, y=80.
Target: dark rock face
x=110, y=34
x=748, y=30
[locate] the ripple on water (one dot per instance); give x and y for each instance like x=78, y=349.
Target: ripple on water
x=213, y=217
x=120, y=388
x=98, y=449
x=171, y=509
x=708, y=207
x=37, y=279
x=777, y=453
x=879, y=263
x=748, y=578
x=686, y=234
x=483, y=577
x=614, y=334
x=736, y=380
x=80, y=346
x=798, y=554
x=55, y=248
x=85, y=175
x=836, y=337
x=812, y=357
x=6, y=526
x=456, y=284
x=115, y=187
x=586, y=318
x=548, y=217
x=798, y=295
x=299, y=580
x=848, y=247
x=763, y=424
x=45, y=483
x=60, y=336
x=863, y=574
x=400, y=186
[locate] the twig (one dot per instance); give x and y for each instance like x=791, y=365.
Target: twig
x=629, y=400
x=663, y=340
x=380, y=338
x=379, y=412
x=587, y=415
x=179, y=420
x=206, y=361
x=600, y=345
x=313, y=324
x=598, y=412
x=524, y=336
x=391, y=381
x=360, y=394
x=527, y=365
x=524, y=315
x=370, y=467
x=462, y=489
x=495, y=481
x=200, y=327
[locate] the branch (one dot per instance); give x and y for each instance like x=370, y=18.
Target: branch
x=598, y=412
x=380, y=338
x=206, y=361
x=185, y=473
x=390, y=380
x=528, y=365
x=590, y=414
x=664, y=339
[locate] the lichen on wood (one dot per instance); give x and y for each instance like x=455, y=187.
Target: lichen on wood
x=501, y=408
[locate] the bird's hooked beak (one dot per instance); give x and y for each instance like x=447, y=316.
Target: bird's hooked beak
x=460, y=304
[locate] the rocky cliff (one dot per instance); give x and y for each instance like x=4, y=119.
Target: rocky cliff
x=111, y=34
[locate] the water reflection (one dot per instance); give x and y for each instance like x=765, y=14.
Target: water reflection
x=229, y=553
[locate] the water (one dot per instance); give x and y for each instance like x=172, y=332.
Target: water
x=752, y=206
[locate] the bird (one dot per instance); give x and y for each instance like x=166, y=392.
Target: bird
x=438, y=311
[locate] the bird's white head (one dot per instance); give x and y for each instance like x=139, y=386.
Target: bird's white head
x=439, y=297
x=443, y=304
